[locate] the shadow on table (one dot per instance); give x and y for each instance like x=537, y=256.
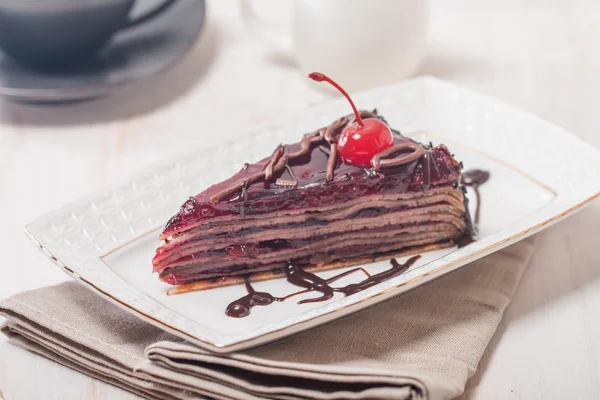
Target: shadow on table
x=139, y=99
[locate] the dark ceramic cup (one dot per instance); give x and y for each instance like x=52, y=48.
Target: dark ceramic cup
x=55, y=33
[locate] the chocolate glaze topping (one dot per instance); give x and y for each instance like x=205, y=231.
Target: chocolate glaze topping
x=313, y=283
x=397, y=155
x=349, y=183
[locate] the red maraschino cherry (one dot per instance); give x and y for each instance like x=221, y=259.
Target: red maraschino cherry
x=361, y=140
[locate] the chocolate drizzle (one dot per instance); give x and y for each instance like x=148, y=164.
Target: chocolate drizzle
x=397, y=269
x=274, y=158
x=326, y=138
x=313, y=283
x=241, y=307
x=427, y=168
x=475, y=178
x=403, y=153
x=244, y=199
x=288, y=183
x=280, y=158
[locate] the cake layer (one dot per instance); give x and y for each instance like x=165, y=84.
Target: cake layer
x=236, y=254
x=367, y=217
x=341, y=254
x=447, y=194
x=386, y=223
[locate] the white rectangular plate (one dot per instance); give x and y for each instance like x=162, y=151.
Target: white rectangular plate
x=539, y=174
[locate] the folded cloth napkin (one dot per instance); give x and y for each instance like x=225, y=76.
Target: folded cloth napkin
x=424, y=344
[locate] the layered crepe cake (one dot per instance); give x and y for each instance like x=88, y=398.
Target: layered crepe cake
x=314, y=205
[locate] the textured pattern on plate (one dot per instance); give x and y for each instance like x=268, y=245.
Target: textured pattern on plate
x=78, y=234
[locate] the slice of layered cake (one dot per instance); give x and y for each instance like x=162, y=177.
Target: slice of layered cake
x=349, y=193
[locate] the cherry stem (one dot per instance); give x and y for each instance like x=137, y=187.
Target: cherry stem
x=319, y=77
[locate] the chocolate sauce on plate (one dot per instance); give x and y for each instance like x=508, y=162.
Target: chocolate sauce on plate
x=475, y=178
x=313, y=283
x=397, y=269
x=241, y=307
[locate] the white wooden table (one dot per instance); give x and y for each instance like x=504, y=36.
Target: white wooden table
x=542, y=55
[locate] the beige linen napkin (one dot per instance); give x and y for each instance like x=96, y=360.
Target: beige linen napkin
x=424, y=344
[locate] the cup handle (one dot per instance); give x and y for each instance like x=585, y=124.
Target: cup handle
x=149, y=15
x=277, y=39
